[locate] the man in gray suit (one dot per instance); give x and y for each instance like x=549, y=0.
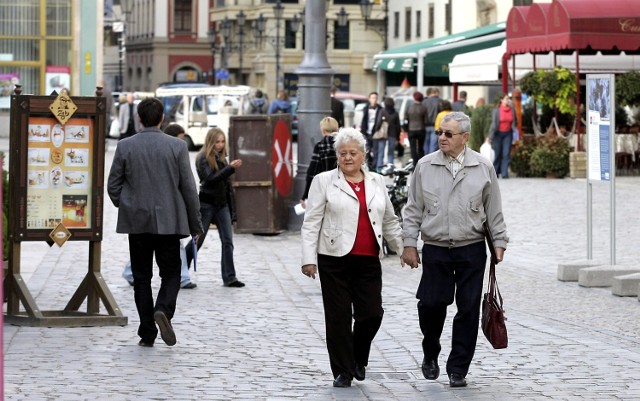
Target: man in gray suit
x=152, y=185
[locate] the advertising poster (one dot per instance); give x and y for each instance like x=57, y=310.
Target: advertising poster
x=599, y=115
x=8, y=83
x=59, y=168
x=57, y=77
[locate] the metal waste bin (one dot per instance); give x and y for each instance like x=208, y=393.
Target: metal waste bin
x=264, y=183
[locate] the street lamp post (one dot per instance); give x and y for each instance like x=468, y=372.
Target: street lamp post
x=241, y=18
x=366, y=6
x=212, y=35
x=314, y=86
x=259, y=27
x=277, y=12
x=125, y=9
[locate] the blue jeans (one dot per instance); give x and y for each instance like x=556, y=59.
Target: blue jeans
x=501, y=145
x=221, y=217
x=391, y=148
x=184, y=270
x=378, y=152
x=430, y=140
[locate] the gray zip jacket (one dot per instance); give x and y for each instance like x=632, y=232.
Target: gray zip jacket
x=450, y=212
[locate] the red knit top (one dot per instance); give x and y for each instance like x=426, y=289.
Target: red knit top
x=365, y=243
x=506, y=119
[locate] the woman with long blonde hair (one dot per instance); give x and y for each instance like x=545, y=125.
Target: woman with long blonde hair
x=216, y=200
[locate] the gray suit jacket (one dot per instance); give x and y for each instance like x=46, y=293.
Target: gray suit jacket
x=152, y=185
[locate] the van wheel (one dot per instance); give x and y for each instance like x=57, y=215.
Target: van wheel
x=189, y=142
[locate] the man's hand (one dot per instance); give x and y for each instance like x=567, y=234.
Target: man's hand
x=310, y=270
x=410, y=257
x=499, y=255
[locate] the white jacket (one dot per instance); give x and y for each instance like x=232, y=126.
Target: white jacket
x=331, y=217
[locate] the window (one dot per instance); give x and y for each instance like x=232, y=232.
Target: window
x=522, y=2
x=418, y=24
x=289, y=36
x=407, y=24
x=396, y=24
x=346, y=2
x=182, y=14
x=341, y=36
x=447, y=18
x=432, y=20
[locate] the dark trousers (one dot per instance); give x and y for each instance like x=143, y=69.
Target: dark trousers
x=167, y=251
x=449, y=272
x=350, y=284
x=416, y=145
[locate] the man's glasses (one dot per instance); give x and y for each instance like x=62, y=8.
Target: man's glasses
x=448, y=134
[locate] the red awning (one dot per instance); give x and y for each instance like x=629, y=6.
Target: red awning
x=585, y=25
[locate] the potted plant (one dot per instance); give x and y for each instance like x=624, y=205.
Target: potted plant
x=480, y=123
x=520, y=159
x=550, y=158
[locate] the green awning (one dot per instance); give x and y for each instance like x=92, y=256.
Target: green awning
x=439, y=52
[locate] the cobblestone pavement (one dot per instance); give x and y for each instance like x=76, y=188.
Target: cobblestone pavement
x=266, y=341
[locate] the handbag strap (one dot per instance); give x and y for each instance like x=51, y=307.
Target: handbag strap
x=494, y=291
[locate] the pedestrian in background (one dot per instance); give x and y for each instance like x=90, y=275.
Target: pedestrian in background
x=217, y=205
x=258, y=105
x=152, y=186
x=432, y=103
x=445, y=108
x=127, y=117
x=455, y=178
x=391, y=116
x=337, y=107
x=348, y=213
x=174, y=130
x=281, y=105
x=324, y=155
x=371, y=122
x=461, y=104
x=416, y=126
x=503, y=123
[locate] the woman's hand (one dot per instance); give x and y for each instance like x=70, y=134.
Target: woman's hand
x=310, y=270
x=303, y=202
x=236, y=163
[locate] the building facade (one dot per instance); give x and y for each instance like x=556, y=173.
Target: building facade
x=42, y=48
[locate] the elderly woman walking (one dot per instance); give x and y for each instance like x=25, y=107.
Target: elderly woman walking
x=348, y=212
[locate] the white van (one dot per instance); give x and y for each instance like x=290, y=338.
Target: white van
x=204, y=107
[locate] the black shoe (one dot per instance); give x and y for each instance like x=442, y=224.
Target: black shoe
x=430, y=369
x=342, y=381
x=360, y=372
x=236, y=284
x=189, y=285
x=144, y=343
x=166, y=330
x=457, y=380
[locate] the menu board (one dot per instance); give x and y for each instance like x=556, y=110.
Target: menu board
x=59, y=173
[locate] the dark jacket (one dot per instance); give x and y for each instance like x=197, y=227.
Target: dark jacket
x=215, y=186
x=432, y=104
x=364, y=124
x=393, y=119
x=416, y=117
x=337, y=111
x=323, y=159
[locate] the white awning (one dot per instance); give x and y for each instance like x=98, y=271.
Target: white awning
x=485, y=66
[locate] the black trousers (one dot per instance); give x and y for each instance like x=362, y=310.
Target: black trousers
x=449, y=273
x=167, y=251
x=351, y=286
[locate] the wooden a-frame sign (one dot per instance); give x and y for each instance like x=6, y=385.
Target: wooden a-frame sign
x=56, y=194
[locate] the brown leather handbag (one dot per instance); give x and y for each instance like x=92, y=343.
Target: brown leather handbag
x=493, y=318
